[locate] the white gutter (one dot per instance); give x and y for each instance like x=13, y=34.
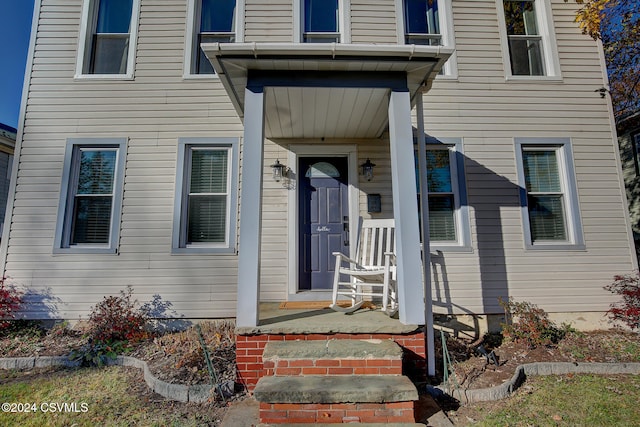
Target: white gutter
x=328, y=49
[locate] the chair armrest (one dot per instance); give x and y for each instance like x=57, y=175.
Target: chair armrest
x=344, y=257
x=340, y=257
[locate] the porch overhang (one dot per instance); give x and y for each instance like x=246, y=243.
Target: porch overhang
x=324, y=90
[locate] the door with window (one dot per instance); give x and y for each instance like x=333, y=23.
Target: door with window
x=323, y=218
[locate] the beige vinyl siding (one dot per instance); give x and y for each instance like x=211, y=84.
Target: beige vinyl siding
x=631, y=179
x=152, y=111
x=269, y=21
x=373, y=22
x=488, y=112
x=159, y=106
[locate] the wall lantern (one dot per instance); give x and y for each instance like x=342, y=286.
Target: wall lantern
x=367, y=169
x=279, y=170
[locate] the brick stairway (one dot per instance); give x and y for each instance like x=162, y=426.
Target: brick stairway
x=335, y=381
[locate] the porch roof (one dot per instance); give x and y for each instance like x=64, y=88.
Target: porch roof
x=324, y=90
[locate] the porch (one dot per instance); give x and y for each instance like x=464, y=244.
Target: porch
x=297, y=95
x=277, y=325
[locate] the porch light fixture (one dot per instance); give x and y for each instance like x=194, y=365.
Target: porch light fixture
x=367, y=169
x=279, y=170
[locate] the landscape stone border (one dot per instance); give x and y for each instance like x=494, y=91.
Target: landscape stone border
x=540, y=368
x=202, y=393
x=179, y=392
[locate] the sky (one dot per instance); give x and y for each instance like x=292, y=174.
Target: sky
x=15, y=29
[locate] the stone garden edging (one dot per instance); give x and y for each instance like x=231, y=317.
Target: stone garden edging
x=201, y=393
x=538, y=368
x=179, y=392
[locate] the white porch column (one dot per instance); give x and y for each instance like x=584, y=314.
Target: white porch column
x=405, y=210
x=250, y=209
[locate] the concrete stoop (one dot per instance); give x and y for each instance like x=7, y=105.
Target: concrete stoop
x=335, y=381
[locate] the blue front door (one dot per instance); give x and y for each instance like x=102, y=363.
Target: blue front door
x=323, y=211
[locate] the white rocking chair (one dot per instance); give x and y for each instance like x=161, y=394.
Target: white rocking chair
x=372, y=272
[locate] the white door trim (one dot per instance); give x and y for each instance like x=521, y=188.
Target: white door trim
x=324, y=150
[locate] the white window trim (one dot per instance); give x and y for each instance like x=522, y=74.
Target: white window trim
x=229, y=246
x=459, y=187
x=344, y=9
x=450, y=69
x=190, y=38
x=544, y=18
x=575, y=238
x=85, y=39
x=61, y=243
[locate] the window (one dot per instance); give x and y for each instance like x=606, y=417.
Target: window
x=91, y=193
x=525, y=42
x=422, y=22
x=211, y=21
x=448, y=212
x=321, y=21
x=549, y=200
x=429, y=22
x=528, y=39
x=204, y=217
x=108, y=35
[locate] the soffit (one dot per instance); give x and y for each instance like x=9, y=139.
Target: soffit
x=317, y=109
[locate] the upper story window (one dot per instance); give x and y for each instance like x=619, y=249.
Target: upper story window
x=429, y=22
x=108, y=37
x=422, y=22
x=448, y=211
x=525, y=41
x=548, y=196
x=90, y=200
x=528, y=39
x=321, y=21
x=210, y=21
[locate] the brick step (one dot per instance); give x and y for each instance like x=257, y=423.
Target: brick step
x=310, y=399
x=355, y=424
x=332, y=357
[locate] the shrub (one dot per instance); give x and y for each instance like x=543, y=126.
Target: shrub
x=628, y=310
x=114, y=324
x=116, y=318
x=527, y=322
x=10, y=300
x=95, y=353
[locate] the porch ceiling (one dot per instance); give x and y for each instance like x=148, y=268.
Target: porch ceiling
x=319, y=109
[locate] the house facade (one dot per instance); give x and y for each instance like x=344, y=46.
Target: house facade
x=7, y=145
x=150, y=130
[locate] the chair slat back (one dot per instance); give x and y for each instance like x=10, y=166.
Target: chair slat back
x=377, y=236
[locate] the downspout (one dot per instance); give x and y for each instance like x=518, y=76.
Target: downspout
x=424, y=219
